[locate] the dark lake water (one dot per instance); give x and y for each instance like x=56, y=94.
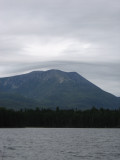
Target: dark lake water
x=59, y=144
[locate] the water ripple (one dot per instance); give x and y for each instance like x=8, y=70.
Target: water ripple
x=59, y=144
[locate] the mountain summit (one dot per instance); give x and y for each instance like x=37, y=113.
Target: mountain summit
x=53, y=88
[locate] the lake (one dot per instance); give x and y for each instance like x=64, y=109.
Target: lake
x=59, y=144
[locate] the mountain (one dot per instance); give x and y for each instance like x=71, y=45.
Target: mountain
x=53, y=88
x=16, y=101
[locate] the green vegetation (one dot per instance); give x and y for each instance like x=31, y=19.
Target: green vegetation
x=8, y=100
x=94, y=118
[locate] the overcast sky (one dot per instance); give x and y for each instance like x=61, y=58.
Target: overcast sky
x=71, y=35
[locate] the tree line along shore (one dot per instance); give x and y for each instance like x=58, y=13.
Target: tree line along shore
x=91, y=118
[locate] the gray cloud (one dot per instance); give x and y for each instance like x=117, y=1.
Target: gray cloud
x=74, y=35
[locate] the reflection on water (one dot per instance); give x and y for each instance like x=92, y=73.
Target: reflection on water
x=59, y=144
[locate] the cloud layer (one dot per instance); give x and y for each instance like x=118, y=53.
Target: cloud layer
x=74, y=35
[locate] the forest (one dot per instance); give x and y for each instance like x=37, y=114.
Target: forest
x=91, y=118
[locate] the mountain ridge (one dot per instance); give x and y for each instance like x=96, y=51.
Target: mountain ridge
x=58, y=88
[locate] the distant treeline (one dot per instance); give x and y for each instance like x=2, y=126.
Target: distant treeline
x=93, y=118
